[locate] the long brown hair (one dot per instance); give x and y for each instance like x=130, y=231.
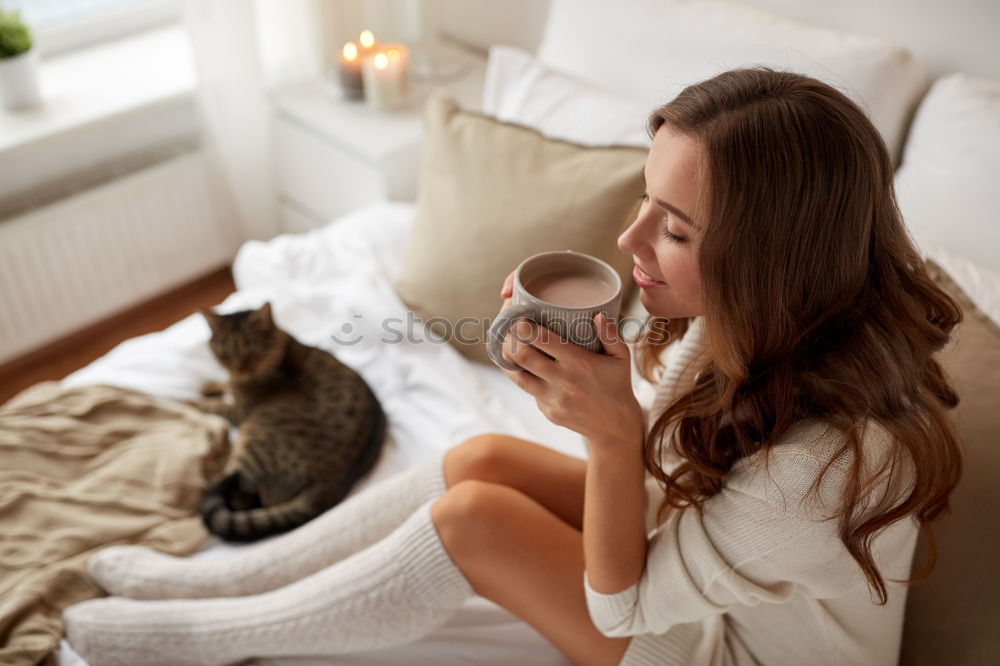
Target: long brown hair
x=816, y=302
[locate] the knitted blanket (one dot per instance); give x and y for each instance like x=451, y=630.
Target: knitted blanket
x=83, y=468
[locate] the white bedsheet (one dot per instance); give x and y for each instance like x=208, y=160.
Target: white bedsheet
x=318, y=283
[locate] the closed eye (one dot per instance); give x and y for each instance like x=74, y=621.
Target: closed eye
x=673, y=238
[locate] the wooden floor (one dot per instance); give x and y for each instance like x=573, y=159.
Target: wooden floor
x=56, y=360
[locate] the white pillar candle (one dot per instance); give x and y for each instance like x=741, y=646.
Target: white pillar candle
x=386, y=77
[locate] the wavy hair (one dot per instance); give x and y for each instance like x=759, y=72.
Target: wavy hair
x=817, y=304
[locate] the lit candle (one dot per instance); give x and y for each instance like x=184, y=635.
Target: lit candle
x=399, y=54
x=349, y=70
x=367, y=41
x=386, y=77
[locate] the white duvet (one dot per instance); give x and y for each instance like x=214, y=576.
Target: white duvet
x=337, y=280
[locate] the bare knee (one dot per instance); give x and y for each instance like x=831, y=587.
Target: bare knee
x=523, y=559
x=468, y=502
x=482, y=457
x=468, y=515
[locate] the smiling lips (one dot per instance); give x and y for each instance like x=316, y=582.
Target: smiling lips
x=644, y=280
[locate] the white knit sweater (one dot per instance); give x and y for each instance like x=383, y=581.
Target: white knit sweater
x=760, y=577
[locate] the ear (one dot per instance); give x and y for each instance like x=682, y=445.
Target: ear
x=211, y=317
x=263, y=315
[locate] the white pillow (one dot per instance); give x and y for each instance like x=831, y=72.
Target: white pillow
x=519, y=89
x=650, y=50
x=947, y=186
x=981, y=284
x=949, y=183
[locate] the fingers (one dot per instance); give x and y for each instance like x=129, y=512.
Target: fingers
x=507, y=290
x=518, y=347
x=522, y=378
x=508, y=286
x=607, y=331
x=526, y=381
x=551, y=343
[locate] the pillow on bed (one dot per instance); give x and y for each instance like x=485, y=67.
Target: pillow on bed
x=517, y=88
x=947, y=184
x=650, y=49
x=963, y=587
x=493, y=193
x=980, y=284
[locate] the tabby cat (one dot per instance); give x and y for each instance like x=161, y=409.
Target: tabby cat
x=309, y=428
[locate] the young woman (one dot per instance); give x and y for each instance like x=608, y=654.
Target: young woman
x=764, y=508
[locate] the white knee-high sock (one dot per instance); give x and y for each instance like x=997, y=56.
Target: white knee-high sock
x=396, y=591
x=139, y=572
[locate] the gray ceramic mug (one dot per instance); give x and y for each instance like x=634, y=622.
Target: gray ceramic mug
x=573, y=287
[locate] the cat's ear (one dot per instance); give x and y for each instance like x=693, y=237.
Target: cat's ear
x=211, y=317
x=263, y=315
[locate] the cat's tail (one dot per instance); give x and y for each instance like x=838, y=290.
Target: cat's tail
x=252, y=521
x=251, y=524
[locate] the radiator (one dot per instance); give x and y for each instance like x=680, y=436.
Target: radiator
x=74, y=262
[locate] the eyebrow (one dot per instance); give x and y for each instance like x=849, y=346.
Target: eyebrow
x=684, y=218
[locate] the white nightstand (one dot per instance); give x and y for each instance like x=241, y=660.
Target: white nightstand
x=335, y=155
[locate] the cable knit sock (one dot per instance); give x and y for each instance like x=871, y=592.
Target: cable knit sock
x=396, y=591
x=139, y=572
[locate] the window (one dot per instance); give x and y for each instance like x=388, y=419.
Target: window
x=65, y=25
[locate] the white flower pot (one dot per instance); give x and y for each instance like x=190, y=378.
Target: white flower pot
x=19, y=80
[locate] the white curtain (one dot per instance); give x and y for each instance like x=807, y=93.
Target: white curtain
x=243, y=51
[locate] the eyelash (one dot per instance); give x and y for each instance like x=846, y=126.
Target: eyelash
x=666, y=234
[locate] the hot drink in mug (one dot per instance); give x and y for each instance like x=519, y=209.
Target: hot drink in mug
x=561, y=291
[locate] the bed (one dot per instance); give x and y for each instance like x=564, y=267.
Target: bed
x=316, y=282
x=340, y=280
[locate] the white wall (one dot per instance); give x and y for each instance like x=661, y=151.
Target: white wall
x=481, y=23
x=960, y=35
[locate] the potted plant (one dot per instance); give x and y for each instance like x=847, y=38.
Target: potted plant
x=18, y=63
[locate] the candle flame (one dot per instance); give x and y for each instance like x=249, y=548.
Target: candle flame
x=394, y=55
x=381, y=61
x=367, y=39
x=350, y=51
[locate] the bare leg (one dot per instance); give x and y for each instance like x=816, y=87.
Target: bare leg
x=553, y=479
x=524, y=558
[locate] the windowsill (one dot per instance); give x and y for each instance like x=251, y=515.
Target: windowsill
x=104, y=109
x=97, y=83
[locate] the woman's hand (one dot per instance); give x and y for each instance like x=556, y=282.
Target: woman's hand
x=507, y=290
x=586, y=392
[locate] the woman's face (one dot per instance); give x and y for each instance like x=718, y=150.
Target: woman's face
x=664, y=238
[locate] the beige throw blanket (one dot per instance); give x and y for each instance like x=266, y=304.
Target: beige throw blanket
x=84, y=468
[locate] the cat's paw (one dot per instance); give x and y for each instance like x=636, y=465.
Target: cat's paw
x=212, y=389
x=201, y=404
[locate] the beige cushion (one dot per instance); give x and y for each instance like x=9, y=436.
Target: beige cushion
x=493, y=193
x=953, y=617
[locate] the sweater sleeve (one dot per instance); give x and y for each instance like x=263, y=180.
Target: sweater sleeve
x=756, y=541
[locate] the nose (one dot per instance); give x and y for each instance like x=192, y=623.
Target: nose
x=633, y=241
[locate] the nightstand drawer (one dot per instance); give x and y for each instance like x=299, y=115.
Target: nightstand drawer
x=320, y=176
